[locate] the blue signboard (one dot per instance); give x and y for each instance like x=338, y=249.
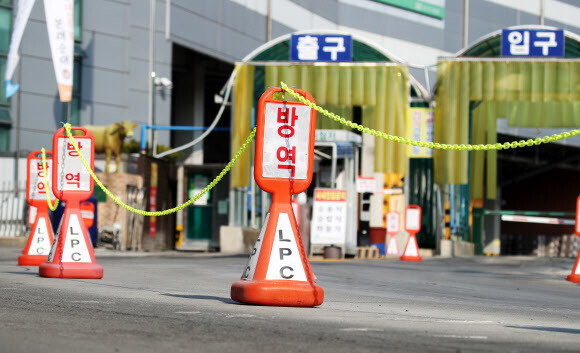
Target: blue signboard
x=315, y=47
x=532, y=43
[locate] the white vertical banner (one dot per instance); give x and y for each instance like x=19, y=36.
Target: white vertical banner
x=24, y=9
x=60, y=24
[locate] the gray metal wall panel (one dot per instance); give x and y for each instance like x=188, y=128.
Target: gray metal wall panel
x=104, y=86
x=115, y=15
x=105, y=51
x=323, y=8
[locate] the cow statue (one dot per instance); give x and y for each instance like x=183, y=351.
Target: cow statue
x=109, y=139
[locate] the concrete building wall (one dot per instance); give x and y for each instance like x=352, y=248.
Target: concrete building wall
x=115, y=46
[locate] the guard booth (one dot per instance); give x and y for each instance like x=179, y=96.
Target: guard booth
x=351, y=77
x=198, y=225
x=518, y=83
x=334, y=222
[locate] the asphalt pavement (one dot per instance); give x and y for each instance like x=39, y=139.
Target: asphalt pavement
x=179, y=302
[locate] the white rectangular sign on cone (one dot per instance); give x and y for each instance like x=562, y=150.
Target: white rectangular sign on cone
x=285, y=262
x=24, y=9
x=286, y=141
x=60, y=24
x=75, y=247
x=40, y=244
x=72, y=174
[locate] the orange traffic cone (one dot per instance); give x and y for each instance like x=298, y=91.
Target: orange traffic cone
x=393, y=249
x=71, y=255
x=39, y=241
x=575, y=275
x=411, y=250
x=278, y=272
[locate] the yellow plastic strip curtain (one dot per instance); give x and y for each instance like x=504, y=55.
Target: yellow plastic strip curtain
x=527, y=93
x=380, y=90
x=243, y=101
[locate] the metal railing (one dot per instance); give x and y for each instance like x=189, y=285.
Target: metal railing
x=13, y=209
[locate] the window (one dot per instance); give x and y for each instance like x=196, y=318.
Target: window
x=78, y=19
x=5, y=32
x=75, y=104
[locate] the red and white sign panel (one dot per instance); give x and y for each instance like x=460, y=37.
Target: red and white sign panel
x=286, y=141
x=578, y=216
x=88, y=213
x=393, y=221
x=72, y=174
x=36, y=188
x=328, y=224
x=413, y=219
x=366, y=184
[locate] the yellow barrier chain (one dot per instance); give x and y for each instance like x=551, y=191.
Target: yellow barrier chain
x=405, y=140
x=50, y=206
x=157, y=213
x=444, y=146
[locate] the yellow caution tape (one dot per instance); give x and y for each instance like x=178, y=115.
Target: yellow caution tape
x=443, y=146
x=50, y=206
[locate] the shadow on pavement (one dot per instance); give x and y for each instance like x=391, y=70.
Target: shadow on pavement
x=549, y=329
x=28, y=272
x=203, y=297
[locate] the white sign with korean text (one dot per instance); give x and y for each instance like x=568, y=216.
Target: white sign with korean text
x=36, y=187
x=72, y=174
x=286, y=141
x=328, y=224
x=60, y=24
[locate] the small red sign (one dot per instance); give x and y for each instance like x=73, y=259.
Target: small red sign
x=393, y=221
x=284, y=144
x=35, y=188
x=88, y=213
x=577, y=228
x=71, y=180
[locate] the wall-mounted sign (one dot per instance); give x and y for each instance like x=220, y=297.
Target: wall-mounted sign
x=319, y=47
x=434, y=9
x=532, y=42
x=328, y=225
x=366, y=184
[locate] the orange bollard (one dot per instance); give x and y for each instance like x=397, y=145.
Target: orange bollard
x=575, y=275
x=392, y=230
x=411, y=252
x=72, y=255
x=41, y=237
x=278, y=272
x=412, y=226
